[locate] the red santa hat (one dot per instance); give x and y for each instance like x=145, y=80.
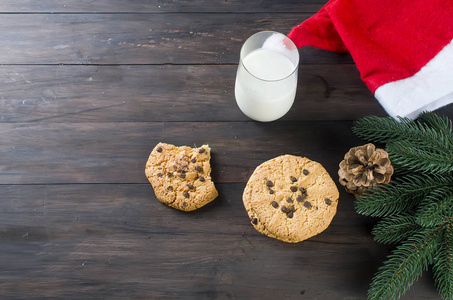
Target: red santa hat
x=402, y=48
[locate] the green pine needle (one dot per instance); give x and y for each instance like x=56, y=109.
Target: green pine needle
x=440, y=123
x=404, y=265
x=443, y=264
x=436, y=208
x=377, y=129
x=431, y=131
x=395, y=229
x=410, y=155
x=400, y=195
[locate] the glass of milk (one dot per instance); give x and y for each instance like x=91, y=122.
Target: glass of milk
x=266, y=79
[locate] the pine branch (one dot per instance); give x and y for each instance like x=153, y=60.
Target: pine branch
x=443, y=265
x=405, y=265
x=378, y=129
x=414, y=156
x=400, y=195
x=434, y=132
x=436, y=208
x=416, y=208
x=395, y=229
x=440, y=123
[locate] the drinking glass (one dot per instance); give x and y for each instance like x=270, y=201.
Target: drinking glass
x=266, y=79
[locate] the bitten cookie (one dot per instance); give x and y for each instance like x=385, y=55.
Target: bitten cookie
x=180, y=176
x=290, y=198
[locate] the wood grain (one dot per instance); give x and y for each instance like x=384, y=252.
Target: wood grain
x=140, y=38
x=159, y=6
x=118, y=241
x=168, y=93
x=46, y=153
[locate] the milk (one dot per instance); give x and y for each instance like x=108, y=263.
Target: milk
x=266, y=84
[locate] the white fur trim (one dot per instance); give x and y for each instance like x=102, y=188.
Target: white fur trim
x=428, y=89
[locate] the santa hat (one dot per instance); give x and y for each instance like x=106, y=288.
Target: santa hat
x=402, y=48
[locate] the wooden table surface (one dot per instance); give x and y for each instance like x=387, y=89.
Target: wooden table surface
x=88, y=88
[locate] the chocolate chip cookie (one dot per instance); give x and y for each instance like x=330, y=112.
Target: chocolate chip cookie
x=180, y=176
x=290, y=198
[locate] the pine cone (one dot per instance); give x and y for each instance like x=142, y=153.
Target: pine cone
x=364, y=167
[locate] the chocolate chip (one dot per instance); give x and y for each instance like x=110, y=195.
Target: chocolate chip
x=159, y=149
x=170, y=188
x=328, y=201
x=290, y=215
x=293, y=179
x=307, y=204
x=269, y=183
x=186, y=194
x=293, y=189
x=182, y=175
x=302, y=190
x=160, y=175
x=193, y=160
x=201, y=150
x=292, y=209
x=201, y=178
x=198, y=168
x=254, y=221
x=289, y=200
x=301, y=198
x=170, y=174
x=271, y=191
x=305, y=171
x=284, y=209
x=275, y=204
x=191, y=187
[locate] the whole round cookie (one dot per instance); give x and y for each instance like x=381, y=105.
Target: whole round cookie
x=290, y=198
x=181, y=176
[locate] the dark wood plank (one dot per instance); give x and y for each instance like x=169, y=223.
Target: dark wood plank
x=117, y=241
x=36, y=153
x=140, y=38
x=168, y=93
x=153, y=6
